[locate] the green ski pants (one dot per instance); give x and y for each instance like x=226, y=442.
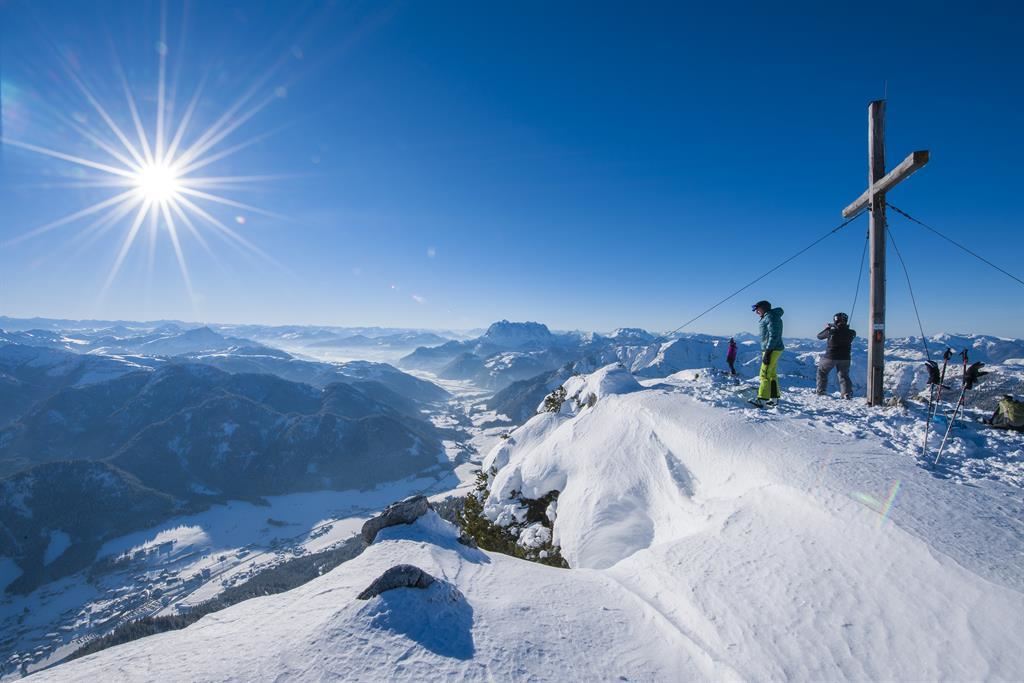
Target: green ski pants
x=770, y=376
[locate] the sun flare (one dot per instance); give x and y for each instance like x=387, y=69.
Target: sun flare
x=153, y=177
x=157, y=182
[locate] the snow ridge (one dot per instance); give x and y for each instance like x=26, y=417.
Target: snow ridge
x=709, y=541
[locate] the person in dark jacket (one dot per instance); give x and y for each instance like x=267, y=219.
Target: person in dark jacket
x=730, y=355
x=837, y=355
x=771, y=350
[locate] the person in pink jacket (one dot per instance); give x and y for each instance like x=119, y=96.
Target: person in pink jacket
x=730, y=355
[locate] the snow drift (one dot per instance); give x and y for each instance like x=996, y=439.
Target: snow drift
x=784, y=549
x=708, y=542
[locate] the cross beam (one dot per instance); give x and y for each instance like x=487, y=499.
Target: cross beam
x=873, y=199
x=906, y=168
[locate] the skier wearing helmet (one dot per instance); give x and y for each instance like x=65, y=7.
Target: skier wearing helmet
x=837, y=355
x=771, y=350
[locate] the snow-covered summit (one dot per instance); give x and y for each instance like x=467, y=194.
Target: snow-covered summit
x=514, y=335
x=708, y=541
x=983, y=347
x=631, y=335
x=584, y=391
x=784, y=545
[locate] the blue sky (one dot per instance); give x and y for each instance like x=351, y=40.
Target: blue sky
x=587, y=165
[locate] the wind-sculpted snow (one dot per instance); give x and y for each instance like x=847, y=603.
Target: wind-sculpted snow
x=488, y=617
x=586, y=390
x=709, y=540
x=620, y=483
x=795, y=548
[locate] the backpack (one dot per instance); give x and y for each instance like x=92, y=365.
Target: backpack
x=1010, y=413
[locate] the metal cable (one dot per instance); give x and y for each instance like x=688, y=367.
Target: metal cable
x=860, y=273
x=759, y=278
x=954, y=242
x=906, y=273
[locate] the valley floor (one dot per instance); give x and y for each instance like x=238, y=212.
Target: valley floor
x=170, y=568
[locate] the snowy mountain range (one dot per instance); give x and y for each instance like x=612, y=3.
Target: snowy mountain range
x=706, y=541
x=702, y=536
x=167, y=340
x=194, y=435
x=170, y=337
x=204, y=418
x=521, y=376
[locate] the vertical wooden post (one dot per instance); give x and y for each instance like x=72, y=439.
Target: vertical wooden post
x=876, y=171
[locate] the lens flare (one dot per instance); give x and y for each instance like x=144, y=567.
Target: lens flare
x=882, y=507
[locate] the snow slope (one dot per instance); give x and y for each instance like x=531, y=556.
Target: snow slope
x=709, y=541
x=768, y=539
x=474, y=624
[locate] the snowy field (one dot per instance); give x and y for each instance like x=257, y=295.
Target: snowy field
x=710, y=540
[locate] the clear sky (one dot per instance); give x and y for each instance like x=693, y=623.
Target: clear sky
x=589, y=165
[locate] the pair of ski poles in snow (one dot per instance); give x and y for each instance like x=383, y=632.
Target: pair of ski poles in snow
x=971, y=374
x=936, y=381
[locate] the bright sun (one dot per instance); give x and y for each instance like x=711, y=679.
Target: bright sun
x=157, y=182
x=154, y=177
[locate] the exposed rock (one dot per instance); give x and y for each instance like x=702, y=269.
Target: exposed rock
x=403, y=512
x=467, y=540
x=399, y=576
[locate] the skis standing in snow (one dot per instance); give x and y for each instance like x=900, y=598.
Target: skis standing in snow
x=837, y=355
x=730, y=355
x=771, y=350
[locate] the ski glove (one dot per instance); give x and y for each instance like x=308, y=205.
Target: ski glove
x=973, y=375
x=933, y=372
x=767, y=358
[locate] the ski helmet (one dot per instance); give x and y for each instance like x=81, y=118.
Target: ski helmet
x=841, y=319
x=763, y=305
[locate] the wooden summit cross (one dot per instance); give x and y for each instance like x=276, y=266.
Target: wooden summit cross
x=873, y=199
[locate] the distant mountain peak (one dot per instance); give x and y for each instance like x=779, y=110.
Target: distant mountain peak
x=633, y=334
x=201, y=333
x=505, y=333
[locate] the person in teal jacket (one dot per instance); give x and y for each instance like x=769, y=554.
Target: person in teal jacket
x=771, y=350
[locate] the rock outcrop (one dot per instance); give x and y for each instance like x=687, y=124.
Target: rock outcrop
x=399, y=576
x=404, y=511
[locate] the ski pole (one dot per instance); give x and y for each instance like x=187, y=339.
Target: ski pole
x=963, y=378
x=942, y=380
x=934, y=377
x=928, y=412
x=956, y=409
